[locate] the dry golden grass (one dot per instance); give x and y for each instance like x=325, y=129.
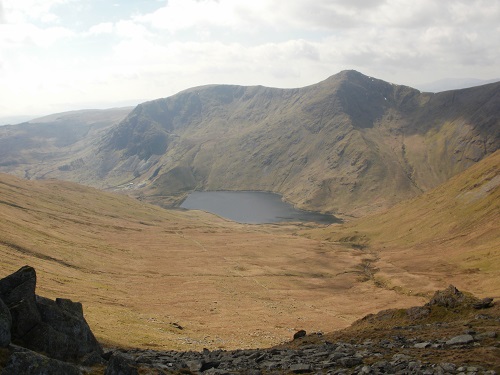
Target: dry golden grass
x=166, y=279
x=450, y=235
x=143, y=273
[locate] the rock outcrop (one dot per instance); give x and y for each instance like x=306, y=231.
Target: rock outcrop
x=5, y=324
x=31, y=363
x=40, y=325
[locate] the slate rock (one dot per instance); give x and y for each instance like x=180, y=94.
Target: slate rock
x=56, y=328
x=92, y=359
x=121, y=365
x=301, y=368
x=31, y=363
x=350, y=361
x=422, y=345
x=460, y=340
x=18, y=292
x=64, y=333
x=5, y=325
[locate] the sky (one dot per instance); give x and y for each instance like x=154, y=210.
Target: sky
x=58, y=55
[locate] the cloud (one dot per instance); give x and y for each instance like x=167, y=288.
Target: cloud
x=129, y=51
x=21, y=11
x=2, y=19
x=101, y=28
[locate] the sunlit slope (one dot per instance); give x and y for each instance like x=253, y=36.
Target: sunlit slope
x=449, y=234
x=142, y=272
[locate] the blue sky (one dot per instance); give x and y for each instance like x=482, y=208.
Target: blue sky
x=58, y=55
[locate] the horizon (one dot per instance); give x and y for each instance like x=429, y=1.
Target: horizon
x=68, y=54
x=444, y=84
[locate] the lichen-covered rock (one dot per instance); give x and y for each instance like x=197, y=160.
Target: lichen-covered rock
x=31, y=363
x=5, y=325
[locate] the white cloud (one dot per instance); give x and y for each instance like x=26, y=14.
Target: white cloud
x=183, y=43
x=28, y=35
x=20, y=11
x=101, y=28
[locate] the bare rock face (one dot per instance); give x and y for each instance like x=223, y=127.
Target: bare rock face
x=5, y=324
x=56, y=328
x=18, y=293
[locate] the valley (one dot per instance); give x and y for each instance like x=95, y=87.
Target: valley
x=91, y=198
x=140, y=270
x=155, y=278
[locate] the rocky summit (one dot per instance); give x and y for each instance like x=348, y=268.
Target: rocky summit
x=454, y=333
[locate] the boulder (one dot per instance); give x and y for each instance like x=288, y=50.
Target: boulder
x=5, y=325
x=31, y=363
x=63, y=333
x=56, y=328
x=121, y=365
x=460, y=340
x=18, y=293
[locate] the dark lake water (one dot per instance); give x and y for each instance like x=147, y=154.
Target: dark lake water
x=251, y=207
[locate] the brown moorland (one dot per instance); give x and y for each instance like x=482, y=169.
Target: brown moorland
x=150, y=277
x=450, y=234
x=164, y=279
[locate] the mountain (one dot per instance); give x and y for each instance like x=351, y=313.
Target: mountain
x=349, y=145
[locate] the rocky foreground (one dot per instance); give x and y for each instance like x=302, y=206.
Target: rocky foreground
x=454, y=333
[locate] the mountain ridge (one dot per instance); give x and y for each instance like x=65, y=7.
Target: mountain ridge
x=348, y=145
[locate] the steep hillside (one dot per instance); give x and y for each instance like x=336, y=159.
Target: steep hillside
x=351, y=144
x=450, y=233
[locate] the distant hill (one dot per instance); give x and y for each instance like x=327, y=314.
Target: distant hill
x=454, y=84
x=11, y=120
x=351, y=144
x=46, y=140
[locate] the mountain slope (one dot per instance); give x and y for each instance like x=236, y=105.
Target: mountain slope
x=351, y=144
x=34, y=148
x=449, y=234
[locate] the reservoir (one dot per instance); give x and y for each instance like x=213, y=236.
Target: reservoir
x=251, y=207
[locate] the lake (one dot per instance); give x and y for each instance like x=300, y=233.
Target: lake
x=251, y=207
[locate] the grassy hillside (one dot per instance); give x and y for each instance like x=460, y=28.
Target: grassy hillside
x=450, y=234
x=149, y=277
